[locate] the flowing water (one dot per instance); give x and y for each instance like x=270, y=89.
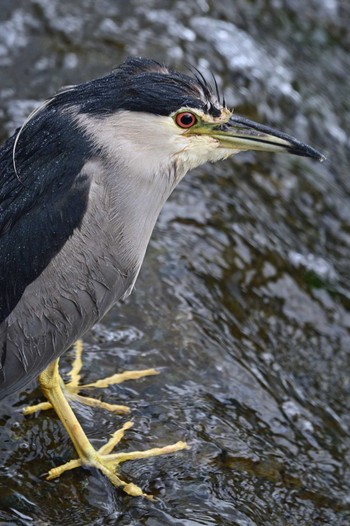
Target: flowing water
x=243, y=302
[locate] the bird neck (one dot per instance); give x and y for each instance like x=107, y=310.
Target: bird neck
x=137, y=177
x=133, y=204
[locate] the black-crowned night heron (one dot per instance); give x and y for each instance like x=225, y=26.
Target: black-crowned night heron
x=82, y=184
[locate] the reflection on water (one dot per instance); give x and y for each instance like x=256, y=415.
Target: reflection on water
x=243, y=301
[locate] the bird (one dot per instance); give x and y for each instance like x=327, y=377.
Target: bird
x=82, y=183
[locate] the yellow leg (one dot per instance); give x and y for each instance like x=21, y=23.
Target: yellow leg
x=73, y=387
x=101, y=459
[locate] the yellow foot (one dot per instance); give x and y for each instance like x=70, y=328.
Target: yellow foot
x=72, y=388
x=108, y=463
x=58, y=397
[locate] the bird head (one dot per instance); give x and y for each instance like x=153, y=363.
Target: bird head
x=151, y=118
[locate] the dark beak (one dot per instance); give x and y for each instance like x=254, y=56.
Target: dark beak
x=240, y=134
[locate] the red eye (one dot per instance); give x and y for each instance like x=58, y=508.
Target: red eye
x=185, y=119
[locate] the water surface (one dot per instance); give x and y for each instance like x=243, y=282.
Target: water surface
x=243, y=302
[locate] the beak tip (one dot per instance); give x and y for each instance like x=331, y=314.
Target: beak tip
x=307, y=151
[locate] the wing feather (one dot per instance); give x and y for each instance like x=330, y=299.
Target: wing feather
x=42, y=202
